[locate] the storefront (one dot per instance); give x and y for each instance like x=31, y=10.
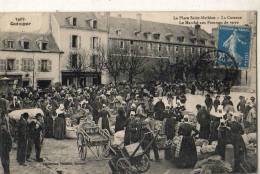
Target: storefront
x=81, y=78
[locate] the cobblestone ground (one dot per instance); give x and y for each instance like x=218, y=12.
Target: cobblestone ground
x=63, y=155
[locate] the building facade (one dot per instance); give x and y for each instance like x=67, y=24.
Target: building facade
x=29, y=59
x=83, y=39
x=154, y=40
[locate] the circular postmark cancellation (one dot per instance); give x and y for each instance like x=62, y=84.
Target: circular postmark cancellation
x=216, y=71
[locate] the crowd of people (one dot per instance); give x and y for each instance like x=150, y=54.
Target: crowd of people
x=137, y=109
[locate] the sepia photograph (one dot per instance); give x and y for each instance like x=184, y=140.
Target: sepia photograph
x=128, y=92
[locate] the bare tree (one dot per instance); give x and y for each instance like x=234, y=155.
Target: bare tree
x=133, y=64
x=114, y=66
x=161, y=69
x=100, y=63
x=77, y=63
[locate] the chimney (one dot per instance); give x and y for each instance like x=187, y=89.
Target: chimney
x=49, y=23
x=108, y=20
x=139, y=21
x=196, y=30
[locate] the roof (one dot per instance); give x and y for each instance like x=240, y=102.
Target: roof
x=82, y=20
x=128, y=27
x=33, y=38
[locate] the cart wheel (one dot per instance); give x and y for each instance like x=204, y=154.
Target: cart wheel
x=143, y=165
x=81, y=147
x=124, y=166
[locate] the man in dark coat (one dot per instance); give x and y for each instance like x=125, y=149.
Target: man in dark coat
x=208, y=102
x=22, y=139
x=203, y=118
x=216, y=103
x=120, y=120
x=170, y=125
x=158, y=109
x=35, y=130
x=5, y=147
x=237, y=142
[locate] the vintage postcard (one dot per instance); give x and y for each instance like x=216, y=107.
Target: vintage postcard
x=116, y=92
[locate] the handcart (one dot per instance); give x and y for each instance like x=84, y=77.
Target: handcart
x=131, y=159
x=91, y=137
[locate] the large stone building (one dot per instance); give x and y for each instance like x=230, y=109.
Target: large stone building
x=156, y=40
x=83, y=39
x=29, y=58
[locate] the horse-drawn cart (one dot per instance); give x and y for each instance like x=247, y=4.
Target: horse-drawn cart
x=91, y=137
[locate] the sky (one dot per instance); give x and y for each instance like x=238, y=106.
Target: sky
x=207, y=20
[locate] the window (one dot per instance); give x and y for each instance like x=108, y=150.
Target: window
x=118, y=32
x=44, y=45
x=44, y=65
x=157, y=36
x=159, y=47
x=74, y=60
x=167, y=48
x=10, y=65
x=74, y=21
x=2, y=65
x=141, y=47
x=94, y=43
x=203, y=42
x=131, y=42
x=10, y=44
x=122, y=44
x=149, y=45
x=199, y=50
x=94, y=24
x=74, y=42
x=27, y=64
x=94, y=60
x=192, y=50
x=176, y=49
x=180, y=39
x=25, y=44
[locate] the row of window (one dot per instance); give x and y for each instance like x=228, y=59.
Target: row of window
x=76, y=42
x=75, y=60
x=169, y=38
x=27, y=64
x=25, y=44
x=159, y=47
x=73, y=21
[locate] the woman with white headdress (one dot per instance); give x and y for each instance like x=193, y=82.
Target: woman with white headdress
x=185, y=152
x=60, y=123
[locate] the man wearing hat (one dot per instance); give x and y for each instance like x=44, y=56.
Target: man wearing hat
x=5, y=147
x=203, y=118
x=159, y=107
x=216, y=103
x=35, y=131
x=22, y=139
x=208, y=102
x=237, y=141
x=148, y=136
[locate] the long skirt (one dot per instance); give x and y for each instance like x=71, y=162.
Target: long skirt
x=188, y=154
x=59, y=128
